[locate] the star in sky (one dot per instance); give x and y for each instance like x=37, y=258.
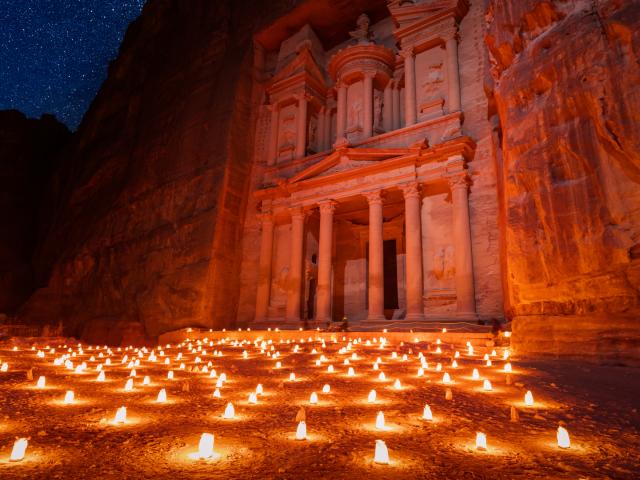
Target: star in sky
x=54, y=53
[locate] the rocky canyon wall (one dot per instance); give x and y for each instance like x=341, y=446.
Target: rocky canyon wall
x=29, y=151
x=151, y=197
x=564, y=96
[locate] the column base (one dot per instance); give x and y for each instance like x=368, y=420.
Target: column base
x=376, y=318
x=341, y=143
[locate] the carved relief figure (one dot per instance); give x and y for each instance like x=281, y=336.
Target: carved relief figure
x=377, y=109
x=362, y=34
x=313, y=134
x=444, y=263
x=355, y=113
x=433, y=82
x=287, y=132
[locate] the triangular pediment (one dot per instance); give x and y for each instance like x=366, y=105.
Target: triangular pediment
x=406, y=12
x=346, y=159
x=303, y=63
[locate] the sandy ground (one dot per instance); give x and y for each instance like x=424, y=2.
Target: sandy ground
x=599, y=406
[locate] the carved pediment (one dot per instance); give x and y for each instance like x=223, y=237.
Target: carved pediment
x=347, y=159
x=303, y=66
x=408, y=12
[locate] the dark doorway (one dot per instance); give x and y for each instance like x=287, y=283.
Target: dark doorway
x=311, y=302
x=390, y=275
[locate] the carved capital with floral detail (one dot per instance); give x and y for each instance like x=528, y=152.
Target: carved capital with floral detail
x=327, y=206
x=411, y=190
x=374, y=197
x=458, y=182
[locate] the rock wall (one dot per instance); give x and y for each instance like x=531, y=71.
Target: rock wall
x=29, y=151
x=564, y=96
x=151, y=197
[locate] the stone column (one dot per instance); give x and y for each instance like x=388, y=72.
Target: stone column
x=325, y=251
x=273, y=139
x=453, y=93
x=341, y=121
x=465, y=291
x=367, y=128
x=301, y=139
x=409, y=87
x=327, y=128
x=387, y=115
x=396, y=105
x=295, y=265
x=413, y=232
x=321, y=126
x=376, y=257
x=264, y=269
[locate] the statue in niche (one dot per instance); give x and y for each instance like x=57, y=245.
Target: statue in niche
x=355, y=113
x=288, y=133
x=377, y=109
x=433, y=82
x=313, y=133
x=444, y=263
x=279, y=282
x=363, y=35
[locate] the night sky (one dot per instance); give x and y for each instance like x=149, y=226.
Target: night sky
x=54, y=53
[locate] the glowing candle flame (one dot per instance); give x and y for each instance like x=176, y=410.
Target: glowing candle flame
x=301, y=431
x=253, y=398
x=205, y=446
x=372, y=396
x=375, y=366
x=438, y=367
x=351, y=372
x=313, y=398
x=528, y=399
x=426, y=413
x=475, y=375
x=507, y=367
x=486, y=385
x=170, y=374
x=446, y=378
x=129, y=385
x=219, y=383
x=41, y=382
x=380, y=421
x=162, y=396
x=4, y=367
x=229, y=411
x=488, y=364
x=454, y=364
x=438, y=350
x=121, y=415
x=326, y=388
x=481, y=441
x=381, y=454
x=382, y=376
x=563, y=438
x=68, y=397
x=19, y=449
x=292, y=377
x=330, y=369
x=397, y=385
x=421, y=372
x=146, y=380
x=278, y=364
x=133, y=373
x=101, y=376
x=259, y=389
x=216, y=393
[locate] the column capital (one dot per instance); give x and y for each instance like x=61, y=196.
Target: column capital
x=265, y=217
x=327, y=206
x=297, y=212
x=458, y=182
x=411, y=190
x=406, y=52
x=374, y=197
x=369, y=73
x=449, y=34
x=303, y=96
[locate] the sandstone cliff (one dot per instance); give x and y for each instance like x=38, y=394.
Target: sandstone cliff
x=29, y=151
x=147, y=217
x=565, y=92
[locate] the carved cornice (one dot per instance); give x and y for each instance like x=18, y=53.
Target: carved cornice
x=361, y=57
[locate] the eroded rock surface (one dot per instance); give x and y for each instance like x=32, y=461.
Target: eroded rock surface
x=565, y=90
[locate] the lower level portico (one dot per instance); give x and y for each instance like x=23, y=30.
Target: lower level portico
x=348, y=236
